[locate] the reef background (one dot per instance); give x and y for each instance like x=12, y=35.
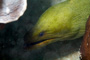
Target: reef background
x=12, y=37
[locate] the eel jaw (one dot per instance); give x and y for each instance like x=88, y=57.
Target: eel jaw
x=38, y=44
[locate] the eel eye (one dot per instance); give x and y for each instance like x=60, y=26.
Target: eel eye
x=41, y=34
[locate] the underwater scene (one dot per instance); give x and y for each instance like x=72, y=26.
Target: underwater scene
x=44, y=29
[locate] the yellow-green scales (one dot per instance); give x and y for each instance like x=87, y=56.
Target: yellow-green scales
x=63, y=21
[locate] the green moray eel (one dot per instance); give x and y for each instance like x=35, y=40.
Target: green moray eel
x=63, y=21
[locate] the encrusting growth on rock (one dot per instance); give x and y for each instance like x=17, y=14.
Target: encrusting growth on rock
x=85, y=46
x=11, y=10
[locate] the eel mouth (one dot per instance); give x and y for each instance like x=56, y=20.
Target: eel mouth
x=38, y=44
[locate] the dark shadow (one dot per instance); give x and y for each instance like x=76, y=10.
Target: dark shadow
x=1, y=3
x=35, y=9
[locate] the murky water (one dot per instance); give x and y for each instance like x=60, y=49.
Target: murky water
x=12, y=38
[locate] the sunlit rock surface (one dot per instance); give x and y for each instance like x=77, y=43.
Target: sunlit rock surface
x=72, y=56
x=12, y=38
